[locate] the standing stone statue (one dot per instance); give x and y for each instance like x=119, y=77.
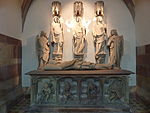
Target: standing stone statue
x=57, y=39
x=43, y=50
x=99, y=34
x=115, y=44
x=79, y=41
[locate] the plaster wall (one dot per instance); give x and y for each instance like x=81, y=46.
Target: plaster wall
x=142, y=22
x=10, y=18
x=39, y=18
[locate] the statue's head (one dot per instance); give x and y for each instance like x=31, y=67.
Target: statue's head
x=46, y=85
x=56, y=8
x=114, y=32
x=67, y=85
x=91, y=85
x=99, y=8
x=43, y=33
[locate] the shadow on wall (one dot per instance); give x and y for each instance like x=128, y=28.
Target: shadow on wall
x=29, y=55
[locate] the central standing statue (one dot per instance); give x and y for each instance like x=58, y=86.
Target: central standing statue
x=79, y=31
x=99, y=33
x=79, y=40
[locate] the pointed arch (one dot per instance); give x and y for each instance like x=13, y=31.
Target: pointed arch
x=27, y=3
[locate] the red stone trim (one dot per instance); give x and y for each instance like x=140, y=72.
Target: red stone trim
x=143, y=60
x=9, y=40
x=11, y=70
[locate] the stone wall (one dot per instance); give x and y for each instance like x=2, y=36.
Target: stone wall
x=10, y=71
x=143, y=72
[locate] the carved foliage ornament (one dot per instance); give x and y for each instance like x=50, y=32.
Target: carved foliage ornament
x=56, y=8
x=99, y=8
x=78, y=8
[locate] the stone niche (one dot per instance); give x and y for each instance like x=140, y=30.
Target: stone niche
x=98, y=89
x=75, y=85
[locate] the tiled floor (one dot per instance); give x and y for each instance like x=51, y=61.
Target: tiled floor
x=136, y=107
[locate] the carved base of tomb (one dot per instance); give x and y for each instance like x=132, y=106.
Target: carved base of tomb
x=91, y=89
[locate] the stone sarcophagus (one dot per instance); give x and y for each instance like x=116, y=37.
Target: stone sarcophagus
x=73, y=88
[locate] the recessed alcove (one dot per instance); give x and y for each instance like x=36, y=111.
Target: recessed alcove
x=117, y=16
x=23, y=20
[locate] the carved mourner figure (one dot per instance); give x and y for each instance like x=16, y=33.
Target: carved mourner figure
x=46, y=93
x=92, y=91
x=99, y=34
x=115, y=91
x=43, y=50
x=79, y=40
x=67, y=96
x=115, y=44
x=57, y=39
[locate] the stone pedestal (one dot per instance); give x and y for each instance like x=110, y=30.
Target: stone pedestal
x=94, y=89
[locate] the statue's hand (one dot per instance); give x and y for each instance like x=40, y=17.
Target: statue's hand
x=48, y=44
x=61, y=44
x=94, y=40
x=52, y=43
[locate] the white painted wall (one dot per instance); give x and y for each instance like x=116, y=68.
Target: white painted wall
x=10, y=18
x=39, y=17
x=142, y=22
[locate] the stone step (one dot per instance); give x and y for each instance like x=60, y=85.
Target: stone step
x=42, y=109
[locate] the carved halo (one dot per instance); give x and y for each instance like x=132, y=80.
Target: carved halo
x=78, y=8
x=56, y=8
x=99, y=8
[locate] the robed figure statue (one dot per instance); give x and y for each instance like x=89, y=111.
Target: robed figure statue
x=115, y=44
x=79, y=41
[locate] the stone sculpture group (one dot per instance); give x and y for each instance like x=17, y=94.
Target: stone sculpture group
x=114, y=43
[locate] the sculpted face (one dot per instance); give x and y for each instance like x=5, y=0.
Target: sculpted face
x=114, y=32
x=56, y=20
x=43, y=33
x=99, y=19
